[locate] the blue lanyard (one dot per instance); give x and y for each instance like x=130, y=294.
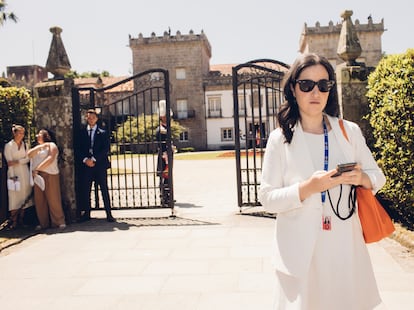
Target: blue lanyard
x=326, y=155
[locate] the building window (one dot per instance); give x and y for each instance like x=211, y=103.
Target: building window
x=183, y=136
x=155, y=107
x=182, y=111
x=274, y=99
x=255, y=99
x=180, y=73
x=242, y=105
x=214, y=106
x=226, y=134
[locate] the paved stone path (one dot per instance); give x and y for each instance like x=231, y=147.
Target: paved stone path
x=214, y=259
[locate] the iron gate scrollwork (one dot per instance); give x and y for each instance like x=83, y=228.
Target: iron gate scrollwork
x=130, y=109
x=257, y=96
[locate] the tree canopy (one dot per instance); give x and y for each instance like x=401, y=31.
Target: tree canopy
x=74, y=75
x=4, y=15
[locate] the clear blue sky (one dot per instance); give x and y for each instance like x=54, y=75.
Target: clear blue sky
x=95, y=33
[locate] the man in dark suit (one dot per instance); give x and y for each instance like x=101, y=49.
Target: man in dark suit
x=94, y=146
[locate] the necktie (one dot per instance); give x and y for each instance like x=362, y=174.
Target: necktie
x=90, y=141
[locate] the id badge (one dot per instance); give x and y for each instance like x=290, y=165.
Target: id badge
x=326, y=222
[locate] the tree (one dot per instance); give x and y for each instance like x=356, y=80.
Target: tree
x=141, y=129
x=74, y=74
x=390, y=96
x=4, y=15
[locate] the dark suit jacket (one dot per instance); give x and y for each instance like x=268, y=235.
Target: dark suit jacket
x=100, y=148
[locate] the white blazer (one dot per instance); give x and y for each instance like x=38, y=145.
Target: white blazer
x=284, y=167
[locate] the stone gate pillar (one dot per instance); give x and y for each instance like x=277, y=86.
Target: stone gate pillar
x=352, y=77
x=352, y=93
x=53, y=111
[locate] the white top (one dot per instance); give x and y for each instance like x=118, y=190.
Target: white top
x=52, y=168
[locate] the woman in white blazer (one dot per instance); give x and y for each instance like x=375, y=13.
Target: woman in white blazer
x=321, y=259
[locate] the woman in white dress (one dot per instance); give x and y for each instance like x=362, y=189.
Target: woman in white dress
x=15, y=152
x=321, y=259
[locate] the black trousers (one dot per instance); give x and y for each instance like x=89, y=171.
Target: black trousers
x=98, y=175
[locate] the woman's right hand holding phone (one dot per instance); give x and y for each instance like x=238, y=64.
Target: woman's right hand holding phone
x=320, y=181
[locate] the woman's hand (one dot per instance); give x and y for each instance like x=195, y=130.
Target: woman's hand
x=319, y=182
x=356, y=177
x=12, y=163
x=90, y=163
x=34, y=150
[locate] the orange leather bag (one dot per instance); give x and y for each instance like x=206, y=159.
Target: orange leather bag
x=376, y=223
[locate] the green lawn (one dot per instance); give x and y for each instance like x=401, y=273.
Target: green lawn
x=199, y=155
x=188, y=155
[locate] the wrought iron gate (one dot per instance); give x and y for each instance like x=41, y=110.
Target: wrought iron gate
x=130, y=111
x=257, y=95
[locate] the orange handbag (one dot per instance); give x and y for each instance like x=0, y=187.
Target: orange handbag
x=375, y=222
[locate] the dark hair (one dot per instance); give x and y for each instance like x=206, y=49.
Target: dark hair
x=50, y=136
x=46, y=135
x=289, y=115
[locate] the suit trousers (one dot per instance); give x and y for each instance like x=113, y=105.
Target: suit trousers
x=99, y=175
x=48, y=203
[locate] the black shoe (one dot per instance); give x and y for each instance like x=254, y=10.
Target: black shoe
x=84, y=218
x=110, y=219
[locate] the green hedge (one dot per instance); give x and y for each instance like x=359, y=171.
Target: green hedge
x=15, y=108
x=390, y=96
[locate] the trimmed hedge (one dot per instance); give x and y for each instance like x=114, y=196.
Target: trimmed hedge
x=15, y=108
x=391, y=101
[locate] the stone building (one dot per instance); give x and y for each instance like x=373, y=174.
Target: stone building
x=111, y=95
x=324, y=40
x=26, y=76
x=187, y=58
x=218, y=96
x=201, y=94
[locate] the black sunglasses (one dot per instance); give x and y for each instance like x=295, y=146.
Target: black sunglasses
x=323, y=85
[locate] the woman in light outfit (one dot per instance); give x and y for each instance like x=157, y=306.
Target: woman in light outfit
x=44, y=163
x=321, y=260
x=15, y=152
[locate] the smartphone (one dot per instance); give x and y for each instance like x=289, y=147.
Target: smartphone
x=341, y=168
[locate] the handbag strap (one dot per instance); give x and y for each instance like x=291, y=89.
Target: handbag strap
x=341, y=124
x=352, y=193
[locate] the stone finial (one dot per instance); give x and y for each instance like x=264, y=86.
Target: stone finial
x=349, y=47
x=58, y=62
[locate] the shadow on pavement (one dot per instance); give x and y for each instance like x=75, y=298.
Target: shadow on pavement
x=9, y=238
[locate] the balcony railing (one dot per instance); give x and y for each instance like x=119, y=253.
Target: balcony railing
x=214, y=113
x=184, y=114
